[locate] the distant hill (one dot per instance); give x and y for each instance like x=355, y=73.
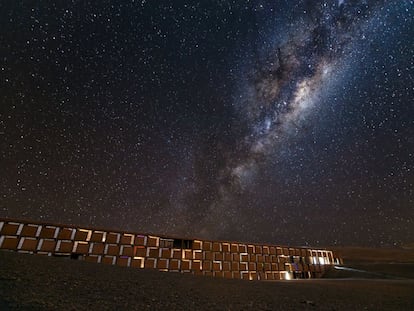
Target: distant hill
x=400, y=255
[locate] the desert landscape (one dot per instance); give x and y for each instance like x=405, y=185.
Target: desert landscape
x=373, y=279
x=140, y=137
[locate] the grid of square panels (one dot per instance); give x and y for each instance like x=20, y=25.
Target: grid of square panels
x=199, y=257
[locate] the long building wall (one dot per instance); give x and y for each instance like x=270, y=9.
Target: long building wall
x=199, y=257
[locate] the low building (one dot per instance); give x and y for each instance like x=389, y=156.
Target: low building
x=228, y=259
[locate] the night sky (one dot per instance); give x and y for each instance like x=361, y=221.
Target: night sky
x=289, y=122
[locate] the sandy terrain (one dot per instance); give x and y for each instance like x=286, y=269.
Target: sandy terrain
x=30, y=282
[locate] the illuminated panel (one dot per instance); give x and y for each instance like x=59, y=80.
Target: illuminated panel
x=112, y=249
x=185, y=265
x=234, y=248
x=138, y=262
x=127, y=250
x=64, y=246
x=153, y=241
x=10, y=242
x=197, y=254
x=127, y=239
x=176, y=253
x=27, y=244
x=252, y=275
x=175, y=264
x=98, y=236
x=124, y=261
x=207, y=265
x=165, y=252
x=226, y=266
x=109, y=260
x=112, y=238
x=83, y=235
x=140, y=240
x=197, y=265
x=153, y=252
x=81, y=247
x=216, y=247
x=187, y=254
x=250, y=249
x=270, y=275
x=217, y=265
x=252, y=257
x=244, y=257
x=197, y=245
x=162, y=264
x=29, y=230
x=243, y=266
x=208, y=255
x=218, y=256
x=10, y=228
x=47, y=245
x=207, y=246
x=140, y=251
x=66, y=234
x=284, y=275
x=97, y=248
x=48, y=232
x=245, y=275
x=242, y=248
x=225, y=247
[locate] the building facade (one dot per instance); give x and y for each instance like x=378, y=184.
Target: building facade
x=248, y=261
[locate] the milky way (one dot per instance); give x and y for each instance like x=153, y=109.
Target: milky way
x=275, y=121
x=285, y=85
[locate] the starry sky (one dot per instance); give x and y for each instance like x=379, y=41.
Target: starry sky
x=286, y=122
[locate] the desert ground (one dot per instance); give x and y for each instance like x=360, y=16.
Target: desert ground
x=378, y=279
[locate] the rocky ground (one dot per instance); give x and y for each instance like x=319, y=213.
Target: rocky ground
x=29, y=282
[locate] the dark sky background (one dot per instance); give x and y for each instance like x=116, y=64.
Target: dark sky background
x=289, y=122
